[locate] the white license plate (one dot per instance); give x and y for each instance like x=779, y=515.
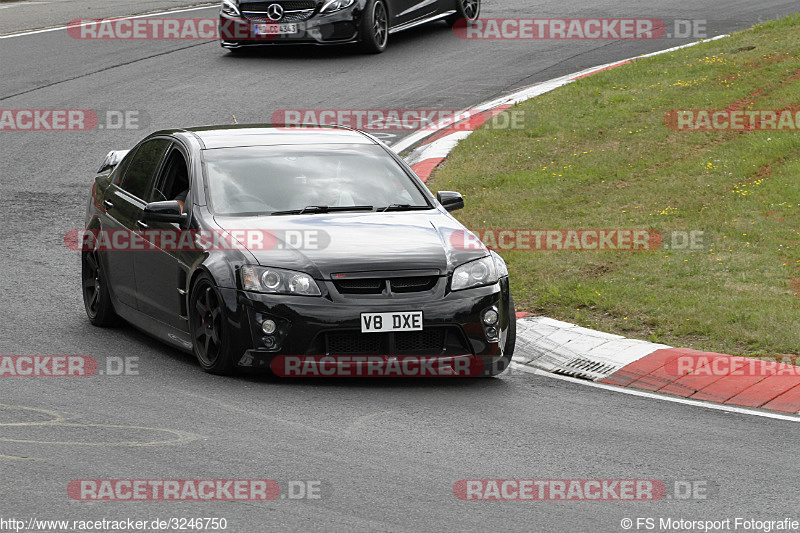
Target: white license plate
x=274, y=29
x=383, y=322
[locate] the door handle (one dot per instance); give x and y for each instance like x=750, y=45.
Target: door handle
x=108, y=204
x=142, y=224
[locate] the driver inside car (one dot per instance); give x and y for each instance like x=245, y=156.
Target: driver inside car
x=181, y=198
x=397, y=193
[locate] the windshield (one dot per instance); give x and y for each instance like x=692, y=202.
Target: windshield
x=310, y=179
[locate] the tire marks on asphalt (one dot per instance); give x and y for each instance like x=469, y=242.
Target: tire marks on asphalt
x=59, y=422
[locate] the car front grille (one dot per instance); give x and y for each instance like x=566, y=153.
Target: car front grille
x=416, y=284
x=293, y=11
x=287, y=5
x=360, y=286
x=378, y=285
x=435, y=340
x=288, y=16
x=430, y=340
x=353, y=343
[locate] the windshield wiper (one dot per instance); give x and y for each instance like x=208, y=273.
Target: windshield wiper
x=402, y=207
x=324, y=209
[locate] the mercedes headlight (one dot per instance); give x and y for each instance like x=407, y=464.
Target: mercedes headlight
x=474, y=274
x=278, y=281
x=230, y=8
x=336, y=5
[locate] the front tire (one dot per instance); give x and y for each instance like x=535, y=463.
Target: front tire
x=465, y=9
x=374, y=32
x=209, y=328
x=96, y=298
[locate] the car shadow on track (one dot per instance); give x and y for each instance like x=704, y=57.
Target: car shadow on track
x=168, y=360
x=423, y=38
x=415, y=383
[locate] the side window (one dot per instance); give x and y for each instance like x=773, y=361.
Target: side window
x=143, y=167
x=119, y=172
x=173, y=182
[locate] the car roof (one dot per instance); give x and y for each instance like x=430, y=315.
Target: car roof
x=230, y=136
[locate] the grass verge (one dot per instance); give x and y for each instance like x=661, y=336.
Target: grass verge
x=599, y=155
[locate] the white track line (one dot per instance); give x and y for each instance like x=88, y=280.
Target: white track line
x=655, y=396
x=59, y=28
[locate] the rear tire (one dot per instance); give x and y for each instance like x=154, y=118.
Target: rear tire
x=374, y=32
x=208, y=327
x=96, y=298
x=465, y=9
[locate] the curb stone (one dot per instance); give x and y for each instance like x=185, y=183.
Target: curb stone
x=568, y=349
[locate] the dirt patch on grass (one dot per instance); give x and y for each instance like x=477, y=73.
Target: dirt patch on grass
x=795, y=283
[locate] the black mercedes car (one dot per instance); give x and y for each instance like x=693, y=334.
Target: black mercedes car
x=245, y=23
x=244, y=243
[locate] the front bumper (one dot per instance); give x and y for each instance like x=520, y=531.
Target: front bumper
x=452, y=326
x=337, y=28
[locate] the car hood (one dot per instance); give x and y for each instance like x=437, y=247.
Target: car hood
x=325, y=244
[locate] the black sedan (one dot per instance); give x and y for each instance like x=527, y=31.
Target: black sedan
x=245, y=243
x=246, y=23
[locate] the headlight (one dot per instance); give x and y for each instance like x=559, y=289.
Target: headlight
x=500, y=265
x=278, y=281
x=230, y=8
x=336, y=5
x=474, y=274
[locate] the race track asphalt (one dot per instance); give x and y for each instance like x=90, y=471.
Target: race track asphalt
x=386, y=452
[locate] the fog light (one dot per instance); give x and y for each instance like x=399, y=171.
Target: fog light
x=269, y=342
x=268, y=327
x=491, y=333
x=490, y=317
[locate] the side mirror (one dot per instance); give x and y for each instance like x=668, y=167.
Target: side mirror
x=169, y=211
x=450, y=200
